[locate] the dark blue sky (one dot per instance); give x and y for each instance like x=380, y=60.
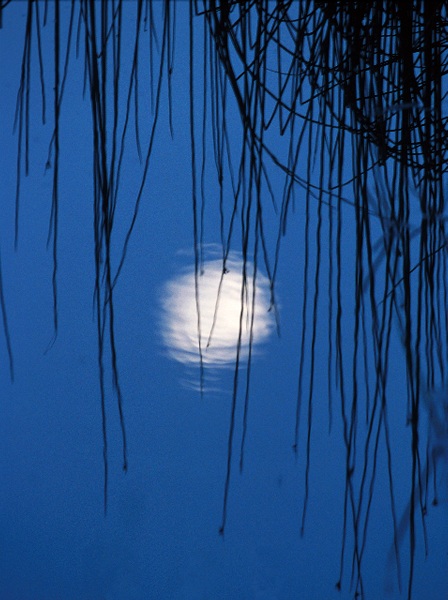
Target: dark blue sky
x=160, y=538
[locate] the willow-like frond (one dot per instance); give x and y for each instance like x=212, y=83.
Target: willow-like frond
x=358, y=89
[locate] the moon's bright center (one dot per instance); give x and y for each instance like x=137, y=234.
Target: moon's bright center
x=227, y=308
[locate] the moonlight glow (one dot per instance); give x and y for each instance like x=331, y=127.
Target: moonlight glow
x=226, y=304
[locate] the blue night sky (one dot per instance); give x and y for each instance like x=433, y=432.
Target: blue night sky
x=160, y=537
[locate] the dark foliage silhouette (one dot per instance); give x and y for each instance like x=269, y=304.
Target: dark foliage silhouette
x=346, y=101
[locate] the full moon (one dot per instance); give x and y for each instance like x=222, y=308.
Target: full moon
x=226, y=308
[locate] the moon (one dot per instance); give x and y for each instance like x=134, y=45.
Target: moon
x=229, y=307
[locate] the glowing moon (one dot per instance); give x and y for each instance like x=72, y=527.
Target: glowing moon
x=226, y=305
